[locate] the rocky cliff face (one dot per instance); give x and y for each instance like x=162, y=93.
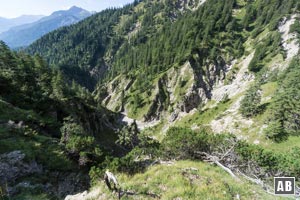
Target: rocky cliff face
x=15, y=168
x=192, y=5
x=180, y=89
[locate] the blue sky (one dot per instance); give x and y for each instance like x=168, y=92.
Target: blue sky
x=15, y=8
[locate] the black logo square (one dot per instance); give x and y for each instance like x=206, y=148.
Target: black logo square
x=284, y=185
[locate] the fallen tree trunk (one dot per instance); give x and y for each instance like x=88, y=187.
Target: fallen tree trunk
x=215, y=160
x=226, y=169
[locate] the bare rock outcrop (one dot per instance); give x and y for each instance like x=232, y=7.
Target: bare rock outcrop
x=289, y=40
x=159, y=103
x=13, y=166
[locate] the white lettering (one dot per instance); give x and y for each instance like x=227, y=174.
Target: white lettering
x=288, y=186
x=280, y=186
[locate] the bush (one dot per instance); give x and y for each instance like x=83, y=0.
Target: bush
x=269, y=163
x=295, y=28
x=182, y=143
x=78, y=145
x=275, y=131
x=127, y=164
x=250, y=105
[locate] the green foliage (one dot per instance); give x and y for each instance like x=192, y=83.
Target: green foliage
x=182, y=143
x=205, y=116
x=180, y=180
x=273, y=163
x=36, y=147
x=154, y=36
x=270, y=46
x=82, y=46
x=266, y=13
x=250, y=104
x=295, y=28
x=275, y=131
x=36, y=99
x=143, y=43
x=79, y=144
x=95, y=174
x=285, y=108
x=58, y=86
x=129, y=136
x=24, y=80
x=158, y=44
x=249, y=16
x=126, y=164
x=134, y=161
x=255, y=153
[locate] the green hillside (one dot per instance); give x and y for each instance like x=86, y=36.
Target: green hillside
x=58, y=129
x=183, y=179
x=179, y=99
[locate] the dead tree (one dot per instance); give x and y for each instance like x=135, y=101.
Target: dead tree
x=226, y=158
x=216, y=160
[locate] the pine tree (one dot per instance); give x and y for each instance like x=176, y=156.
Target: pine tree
x=58, y=86
x=276, y=131
x=285, y=108
x=250, y=104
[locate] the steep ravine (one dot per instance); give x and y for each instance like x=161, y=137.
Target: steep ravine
x=183, y=90
x=177, y=90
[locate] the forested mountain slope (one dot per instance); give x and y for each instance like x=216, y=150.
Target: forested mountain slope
x=205, y=66
x=92, y=44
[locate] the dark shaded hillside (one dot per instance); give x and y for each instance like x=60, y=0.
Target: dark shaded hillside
x=48, y=128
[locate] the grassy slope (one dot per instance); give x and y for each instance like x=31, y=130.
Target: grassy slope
x=178, y=181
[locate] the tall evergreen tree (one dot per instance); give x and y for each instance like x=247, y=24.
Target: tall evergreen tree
x=250, y=104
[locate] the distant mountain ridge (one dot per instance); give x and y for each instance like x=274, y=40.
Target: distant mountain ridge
x=6, y=23
x=25, y=34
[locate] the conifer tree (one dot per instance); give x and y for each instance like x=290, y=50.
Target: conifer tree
x=250, y=104
x=58, y=85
